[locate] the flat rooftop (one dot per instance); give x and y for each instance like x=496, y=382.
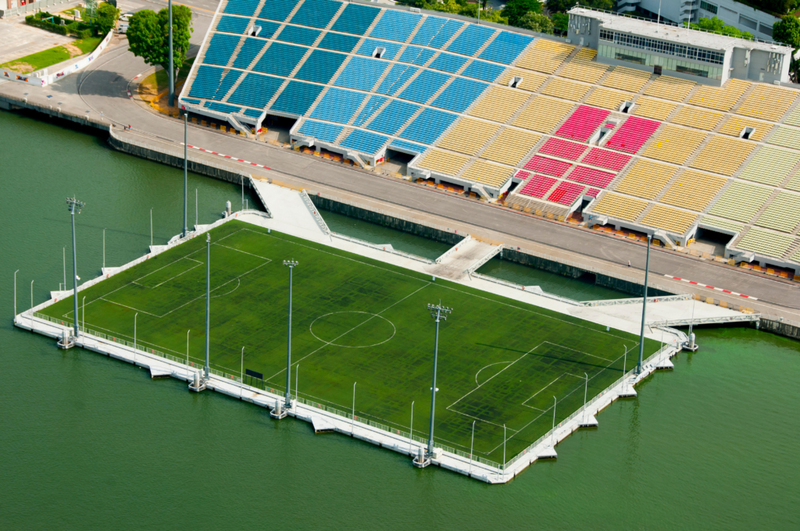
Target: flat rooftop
x=678, y=34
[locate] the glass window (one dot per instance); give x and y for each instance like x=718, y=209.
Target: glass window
x=711, y=8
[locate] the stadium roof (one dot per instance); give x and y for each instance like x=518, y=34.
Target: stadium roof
x=677, y=34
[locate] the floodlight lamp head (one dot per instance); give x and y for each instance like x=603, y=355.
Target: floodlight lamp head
x=208, y=238
x=290, y=263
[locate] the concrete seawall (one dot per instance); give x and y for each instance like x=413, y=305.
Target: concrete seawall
x=13, y=103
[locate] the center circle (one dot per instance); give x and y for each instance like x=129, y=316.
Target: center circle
x=352, y=329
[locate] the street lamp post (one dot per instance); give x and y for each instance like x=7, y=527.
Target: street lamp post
x=171, y=67
x=151, y=226
x=136, y=315
x=74, y=205
x=291, y=264
x=241, y=376
x=104, y=248
x=353, y=415
x=208, y=301
x=411, y=431
x=553, y=436
x=15, y=292
x=185, y=167
x=585, y=396
x=76, y=305
x=471, y=447
x=439, y=313
x=187, y=352
x=505, y=438
x=644, y=307
x=83, y=310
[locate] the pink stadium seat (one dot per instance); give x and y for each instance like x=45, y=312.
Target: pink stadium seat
x=538, y=186
x=582, y=123
x=592, y=192
x=563, y=149
x=632, y=135
x=606, y=159
x=548, y=166
x=566, y=193
x=591, y=176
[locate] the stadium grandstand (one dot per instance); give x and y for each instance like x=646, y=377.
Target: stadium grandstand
x=625, y=123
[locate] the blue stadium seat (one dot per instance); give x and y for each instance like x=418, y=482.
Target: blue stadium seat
x=370, y=44
x=506, y=47
x=393, y=117
x=253, y=113
x=316, y=13
x=395, y=25
x=424, y=86
x=471, y=39
x=428, y=126
x=416, y=55
x=242, y=7
x=396, y=78
x=338, y=42
x=298, y=35
x=338, y=105
x=369, y=109
x=459, y=94
x=268, y=28
x=248, y=52
x=448, y=62
x=206, y=82
x=255, y=90
x=187, y=100
x=435, y=32
x=220, y=49
x=361, y=73
x=364, y=141
x=407, y=147
x=228, y=80
x=280, y=59
x=297, y=97
x=233, y=24
x=320, y=66
x=277, y=9
x=483, y=70
x=355, y=19
x=321, y=130
x=222, y=107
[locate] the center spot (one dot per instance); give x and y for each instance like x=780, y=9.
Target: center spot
x=352, y=329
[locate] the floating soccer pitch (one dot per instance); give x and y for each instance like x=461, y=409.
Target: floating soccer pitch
x=363, y=323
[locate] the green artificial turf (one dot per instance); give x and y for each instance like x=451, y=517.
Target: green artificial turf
x=501, y=362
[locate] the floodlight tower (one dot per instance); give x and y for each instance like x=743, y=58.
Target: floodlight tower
x=74, y=205
x=439, y=313
x=291, y=264
x=208, y=300
x=644, y=307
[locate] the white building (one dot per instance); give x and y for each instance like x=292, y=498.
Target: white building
x=677, y=51
x=732, y=13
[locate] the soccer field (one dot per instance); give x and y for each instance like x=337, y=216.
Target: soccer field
x=501, y=361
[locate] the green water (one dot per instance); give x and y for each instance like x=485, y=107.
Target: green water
x=577, y=289
x=89, y=442
x=379, y=234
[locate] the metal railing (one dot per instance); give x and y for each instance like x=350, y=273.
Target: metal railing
x=520, y=287
x=453, y=249
x=94, y=334
x=315, y=213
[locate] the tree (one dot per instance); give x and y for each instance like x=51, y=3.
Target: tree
x=562, y=6
x=516, y=9
x=148, y=35
x=787, y=31
x=536, y=22
x=716, y=25
x=105, y=19
x=560, y=23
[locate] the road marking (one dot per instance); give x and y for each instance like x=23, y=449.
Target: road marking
x=228, y=157
x=729, y=292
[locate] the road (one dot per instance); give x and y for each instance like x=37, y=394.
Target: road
x=102, y=89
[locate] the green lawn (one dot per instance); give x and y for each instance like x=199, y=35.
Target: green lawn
x=501, y=362
x=51, y=56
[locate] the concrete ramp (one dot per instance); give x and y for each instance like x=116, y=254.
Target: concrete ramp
x=454, y=264
x=290, y=213
x=667, y=313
